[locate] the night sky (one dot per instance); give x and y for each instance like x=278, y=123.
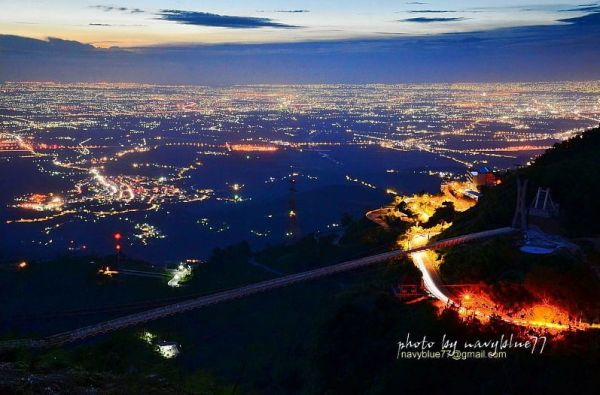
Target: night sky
x=237, y=42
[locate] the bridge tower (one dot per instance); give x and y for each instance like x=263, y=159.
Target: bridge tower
x=520, y=217
x=293, y=231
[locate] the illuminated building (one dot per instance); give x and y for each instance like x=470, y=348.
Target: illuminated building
x=482, y=177
x=167, y=349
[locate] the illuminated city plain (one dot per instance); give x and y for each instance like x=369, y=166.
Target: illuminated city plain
x=84, y=160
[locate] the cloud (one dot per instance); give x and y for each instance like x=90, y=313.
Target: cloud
x=592, y=19
x=110, y=24
x=299, y=11
x=565, y=51
x=215, y=20
x=428, y=11
x=430, y=20
x=109, y=8
x=24, y=45
x=584, y=8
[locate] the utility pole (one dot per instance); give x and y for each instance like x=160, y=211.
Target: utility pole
x=293, y=231
x=117, y=236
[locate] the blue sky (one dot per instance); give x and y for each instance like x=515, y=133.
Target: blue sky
x=234, y=41
x=143, y=23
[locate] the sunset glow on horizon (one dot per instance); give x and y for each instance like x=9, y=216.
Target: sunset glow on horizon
x=150, y=23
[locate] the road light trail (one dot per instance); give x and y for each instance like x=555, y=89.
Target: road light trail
x=111, y=188
x=430, y=277
x=436, y=288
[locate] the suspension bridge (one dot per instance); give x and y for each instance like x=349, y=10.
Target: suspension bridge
x=238, y=293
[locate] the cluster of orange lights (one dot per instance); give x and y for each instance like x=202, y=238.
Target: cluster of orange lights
x=540, y=316
x=252, y=148
x=42, y=202
x=49, y=146
x=9, y=145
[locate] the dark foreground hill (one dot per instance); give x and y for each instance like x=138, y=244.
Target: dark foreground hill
x=567, y=277
x=570, y=169
x=355, y=351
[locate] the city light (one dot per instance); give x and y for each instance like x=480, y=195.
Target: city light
x=180, y=274
x=252, y=148
x=131, y=156
x=108, y=271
